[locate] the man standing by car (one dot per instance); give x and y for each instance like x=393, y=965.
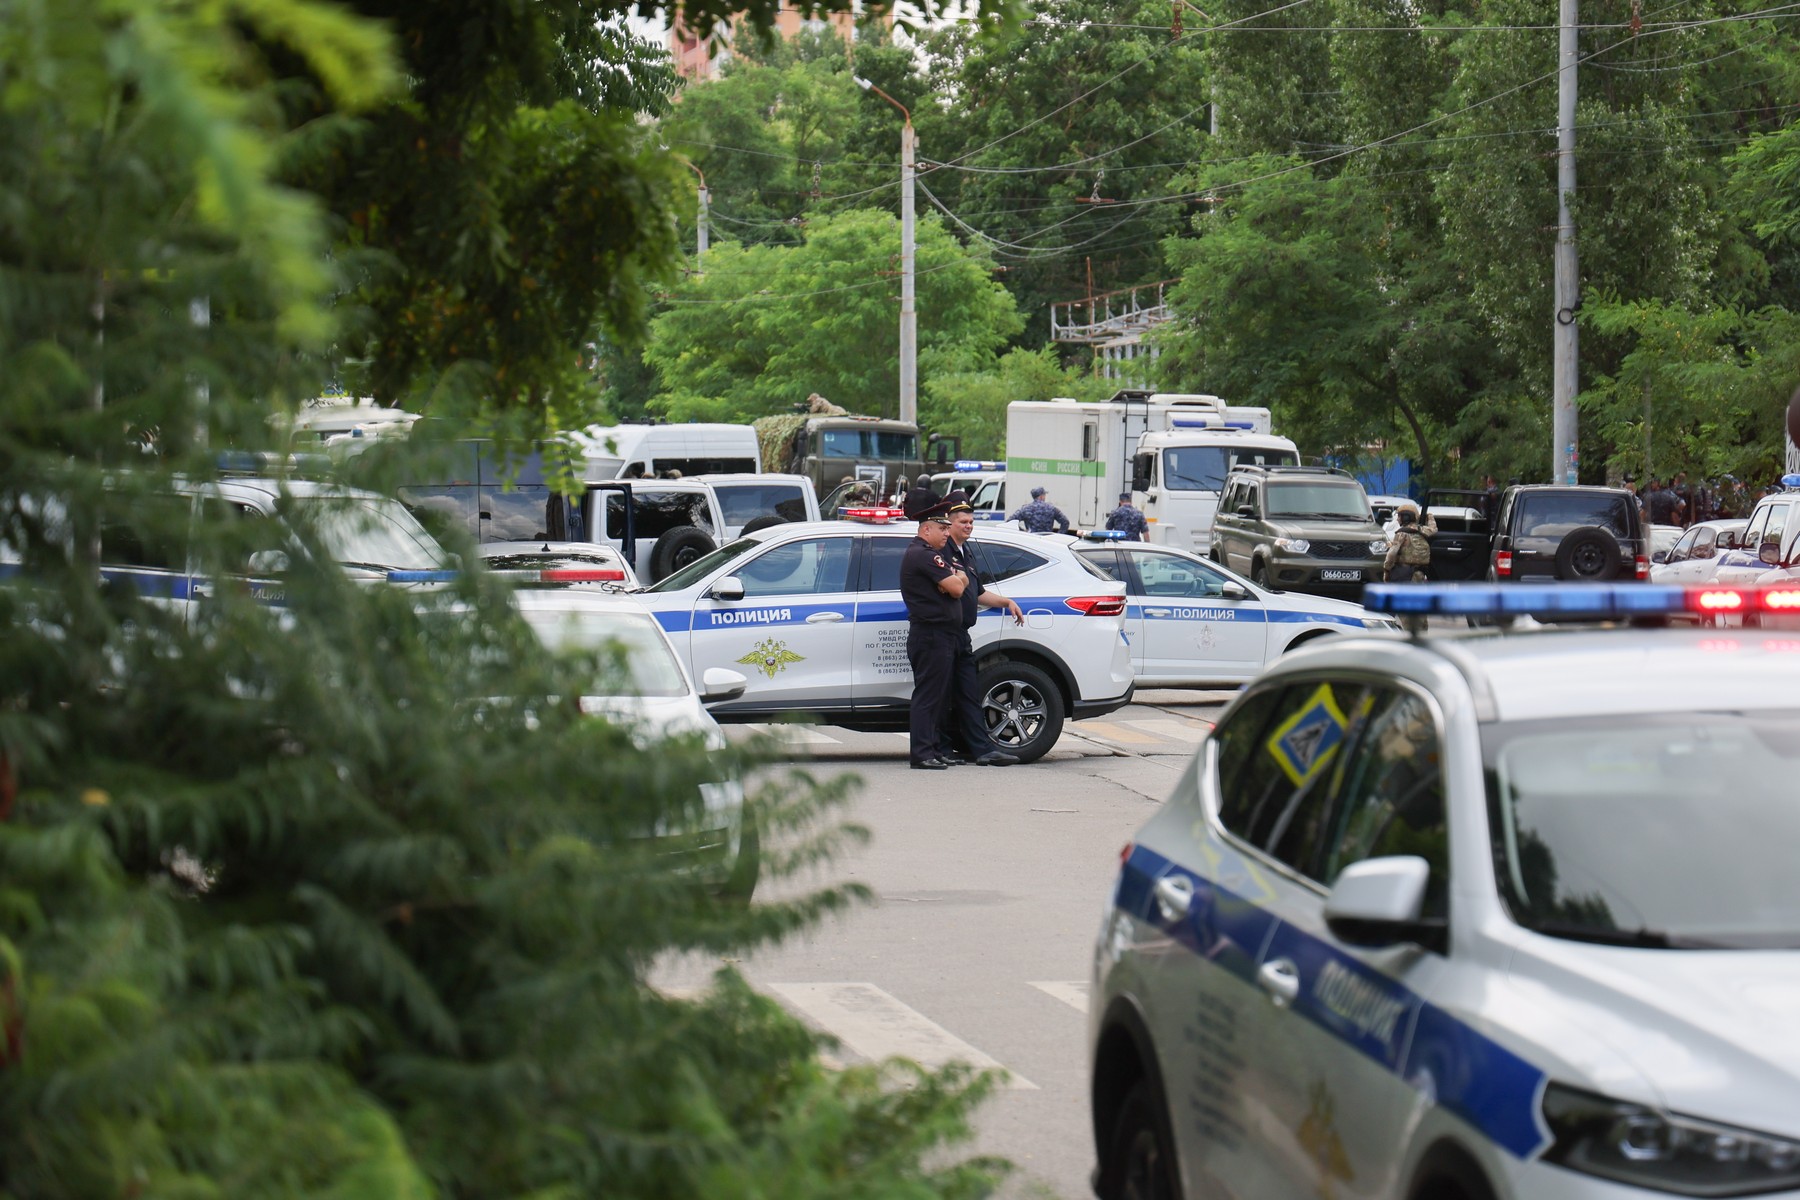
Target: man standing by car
x=1041, y=516
x=963, y=718
x=1409, y=553
x=932, y=589
x=1128, y=520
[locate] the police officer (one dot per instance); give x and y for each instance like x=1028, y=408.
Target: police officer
x=1040, y=515
x=964, y=720
x=1128, y=520
x=932, y=589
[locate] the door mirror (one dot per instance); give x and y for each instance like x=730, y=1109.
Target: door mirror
x=268, y=562
x=1232, y=590
x=721, y=683
x=1246, y=510
x=1661, y=556
x=1769, y=554
x=1379, y=901
x=728, y=588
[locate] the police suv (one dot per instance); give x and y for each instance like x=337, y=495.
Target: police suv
x=1471, y=916
x=812, y=613
x=1192, y=623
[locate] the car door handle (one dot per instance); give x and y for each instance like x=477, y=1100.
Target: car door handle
x=1281, y=979
x=1157, y=612
x=824, y=618
x=1174, y=895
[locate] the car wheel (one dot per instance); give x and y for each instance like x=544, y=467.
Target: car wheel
x=1259, y=575
x=766, y=521
x=1588, y=553
x=679, y=548
x=1140, y=1163
x=740, y=885
x=1023, y=708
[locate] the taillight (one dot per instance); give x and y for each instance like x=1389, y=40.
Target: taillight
x=583, y=575
x=1643, y=567
x=1503, y=564
x=1097, y=606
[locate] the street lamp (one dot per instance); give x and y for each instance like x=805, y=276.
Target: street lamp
x=909, y=321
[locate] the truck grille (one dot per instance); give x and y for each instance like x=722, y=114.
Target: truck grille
x=1340, y=549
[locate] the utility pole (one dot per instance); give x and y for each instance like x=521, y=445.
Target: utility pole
x=1565, y=456
x=909, y=318
x=701, y=228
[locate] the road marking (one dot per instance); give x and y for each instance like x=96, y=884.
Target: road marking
x=1179, y=731
x=796, y=735
x=1073, y=993
x=1115, y=733
x=877, y=1026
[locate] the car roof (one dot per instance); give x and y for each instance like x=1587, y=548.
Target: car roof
x=270, y=487
x=1567, y=672
x=748, y=477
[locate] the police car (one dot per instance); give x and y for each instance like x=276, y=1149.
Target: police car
x=982, y=480
x=812, y=613
x=1192, y=623
x=1472, y=916
x=1771, y=540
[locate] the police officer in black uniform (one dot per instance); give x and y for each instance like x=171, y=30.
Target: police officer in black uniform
x=932, y=589
x=965, y=726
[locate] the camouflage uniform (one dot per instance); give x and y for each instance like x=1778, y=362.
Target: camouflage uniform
x=1040, y=516
x=1130, y=522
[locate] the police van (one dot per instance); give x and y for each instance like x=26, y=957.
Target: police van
x=982, y=480
x=812, y=614
x=1496, y=915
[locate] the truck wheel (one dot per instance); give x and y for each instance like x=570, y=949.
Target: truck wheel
x=1023, y=708
x=766, y=521
x=677, y=548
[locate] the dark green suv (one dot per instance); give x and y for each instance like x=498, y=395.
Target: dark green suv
x=1301, y=529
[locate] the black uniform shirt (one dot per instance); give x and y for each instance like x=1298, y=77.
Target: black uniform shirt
x=959, y=556
x=921, y=568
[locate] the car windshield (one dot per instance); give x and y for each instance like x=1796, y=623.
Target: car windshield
x=1331, y=501
x=376, y=532
x=1657, y=831
x=644, y=664
x=1203, y=468
x=700, y=568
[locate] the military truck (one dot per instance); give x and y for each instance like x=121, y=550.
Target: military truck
x=827, y=444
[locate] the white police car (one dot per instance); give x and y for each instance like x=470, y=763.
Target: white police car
x=1192, y=623
x=982, y=480
x=812, y=613
x=1772, y=538
x=1473, y=916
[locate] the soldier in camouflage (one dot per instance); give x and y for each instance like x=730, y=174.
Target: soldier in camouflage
x=1041, y=516
x=1128, y=520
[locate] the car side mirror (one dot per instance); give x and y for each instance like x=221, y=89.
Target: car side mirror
x=1769, y=554
x=268, y=562
x=1246, y=510
x=721, y=683
x=1380, y=901
x=1231, y=590
x=728, y=588
x=1661, y=556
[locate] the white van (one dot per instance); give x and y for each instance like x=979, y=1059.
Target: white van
x=653, y=451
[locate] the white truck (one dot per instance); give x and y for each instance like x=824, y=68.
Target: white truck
x=654, y=451
x=1172, y=451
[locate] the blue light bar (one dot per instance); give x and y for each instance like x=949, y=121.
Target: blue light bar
x=978, y=464
x=1790, y=481
x=439, y=576
x=1549, y=600
x=1195, y=423
x=1104, y=535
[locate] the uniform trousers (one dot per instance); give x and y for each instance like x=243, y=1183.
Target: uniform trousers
x=931, y=650
x=965, y=724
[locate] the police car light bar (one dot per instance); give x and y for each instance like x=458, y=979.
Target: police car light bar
x=1103, y=535
x=978, y=464
x=1603, y=600
x=446, y=575
x=873, y=516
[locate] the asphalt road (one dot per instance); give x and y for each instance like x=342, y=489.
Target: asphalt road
x=989, y=886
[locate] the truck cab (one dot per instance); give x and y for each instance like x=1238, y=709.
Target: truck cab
x=1177, y=475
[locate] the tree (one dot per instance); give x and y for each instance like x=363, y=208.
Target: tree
x=766, y=326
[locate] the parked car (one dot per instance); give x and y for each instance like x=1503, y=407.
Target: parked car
x=583, y=564
x=1307, y=529
x=1568, y=532
x=1696, y=554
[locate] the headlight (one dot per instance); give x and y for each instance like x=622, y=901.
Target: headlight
x=1293, y=545
x=1378, y=546
x=1640, y=1146
x=1384, y=623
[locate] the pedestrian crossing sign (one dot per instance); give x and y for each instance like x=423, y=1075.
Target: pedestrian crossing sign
x=1306, y=741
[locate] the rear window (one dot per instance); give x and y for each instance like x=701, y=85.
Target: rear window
x=655, y=513
x=744, y=502
x=1552, y=514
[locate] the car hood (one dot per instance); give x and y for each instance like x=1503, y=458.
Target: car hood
x=1329, y=531
x=653, y=718
x=1711, y=1032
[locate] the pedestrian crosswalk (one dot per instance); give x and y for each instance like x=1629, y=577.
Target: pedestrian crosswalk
x=871, y=1024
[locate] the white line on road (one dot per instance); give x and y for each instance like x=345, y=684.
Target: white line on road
x=1189, y=732
x=1071, y=992
x=877, y=1026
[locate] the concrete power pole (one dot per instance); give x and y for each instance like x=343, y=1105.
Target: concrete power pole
x=700, y=244
x=1565, y=456
x=909, y=316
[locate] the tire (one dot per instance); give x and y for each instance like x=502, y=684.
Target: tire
x=1023, y=708
x=1588, y=553
x=1259, y=575
x=766, y=521
x=677, y=548
x=740, y=885
x=1140, y=1162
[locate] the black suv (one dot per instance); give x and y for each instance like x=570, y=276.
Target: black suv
x=1555, y=531
x=1304, y=529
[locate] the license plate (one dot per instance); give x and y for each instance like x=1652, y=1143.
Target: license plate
x=1331, y=576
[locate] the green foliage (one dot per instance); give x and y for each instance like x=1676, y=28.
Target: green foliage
x=766, y=326
x=971, y=405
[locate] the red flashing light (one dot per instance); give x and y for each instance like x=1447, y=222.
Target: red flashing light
x=875, y=516
x=1503, y=564
x=1781, y=599
x=1097, y=606
x=1718, y=600
x=582, y=575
